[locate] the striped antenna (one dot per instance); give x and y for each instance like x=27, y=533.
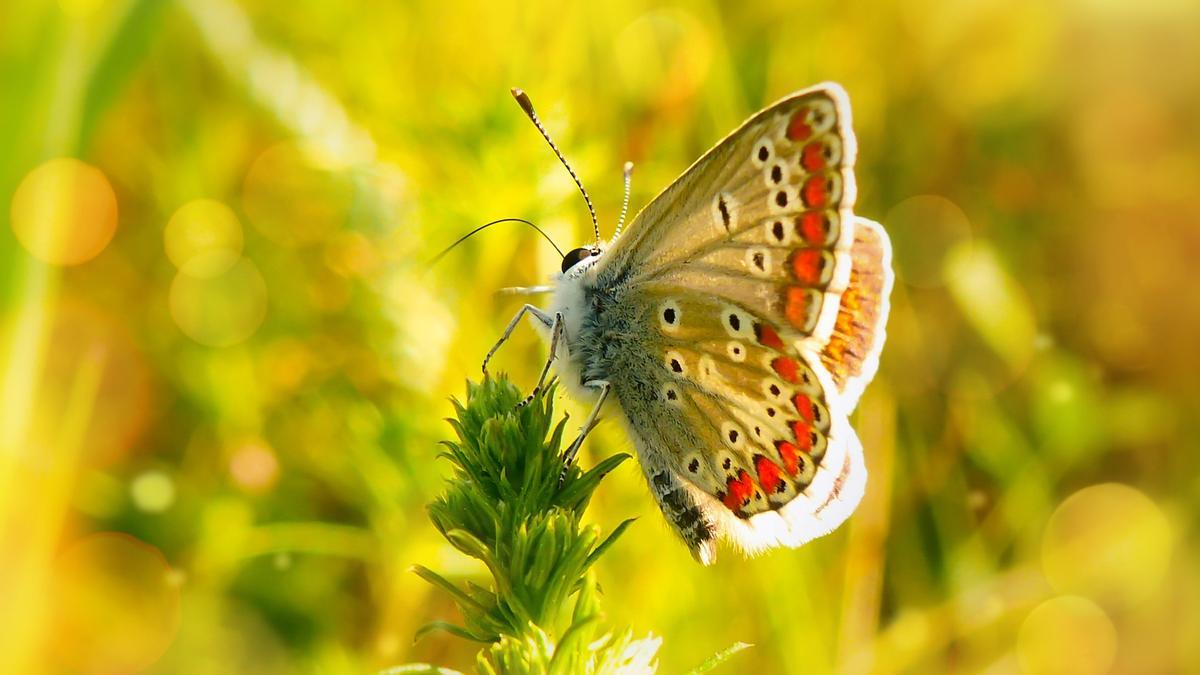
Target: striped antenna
x=527, y=106
x=625, y=201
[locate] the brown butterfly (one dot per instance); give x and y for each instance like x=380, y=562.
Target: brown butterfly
x=733, y=327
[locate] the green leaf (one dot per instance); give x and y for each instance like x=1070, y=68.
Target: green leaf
x=441, y=582
x=572, y=646
x=608, y=541
x=453, y=629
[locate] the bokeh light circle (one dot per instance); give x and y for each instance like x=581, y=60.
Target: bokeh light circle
x=221, y=310
x=115, y=608
x=1109, y=542
x=1067, y=635
x=924, y=229
x=64, y=212
x=254, y=468
x=203, y=237
x=152, y=491
x=292, y=199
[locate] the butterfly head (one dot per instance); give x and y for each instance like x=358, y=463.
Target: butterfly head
x=578, y=260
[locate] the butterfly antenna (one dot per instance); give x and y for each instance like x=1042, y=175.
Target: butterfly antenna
x=483, y=227
x=624, y=202
x=527, y=106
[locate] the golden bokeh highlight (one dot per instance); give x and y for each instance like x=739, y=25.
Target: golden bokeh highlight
x=203, y=238
x=253, y=467
x=1066, y=635
x=292, y=198
x=222, y=310
x=924, y=229
x=113, y=604
x=1109, y=542
x=64, y=212
x=152, y=491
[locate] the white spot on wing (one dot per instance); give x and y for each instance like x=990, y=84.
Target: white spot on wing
x=675, y=363
x=725, y=213
x=669, y=316
x=733, y=435
x=783, y=199
x=737, y=323
x=778, y=230
x=773, y=177
x=758, y=259
x=756, y=155
x=736, y=350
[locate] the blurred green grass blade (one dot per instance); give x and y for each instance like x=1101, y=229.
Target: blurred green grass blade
x=448, y=627
x=418, y=669
x=446, y=585
x=719, y=658
x=129, y=42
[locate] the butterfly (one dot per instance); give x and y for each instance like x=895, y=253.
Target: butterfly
x=732, y=329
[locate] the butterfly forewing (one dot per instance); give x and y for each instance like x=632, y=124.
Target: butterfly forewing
x=765, y=216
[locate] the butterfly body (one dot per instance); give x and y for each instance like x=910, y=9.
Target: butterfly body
x=733, y=327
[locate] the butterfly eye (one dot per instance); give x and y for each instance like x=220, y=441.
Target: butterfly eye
x=573, y=257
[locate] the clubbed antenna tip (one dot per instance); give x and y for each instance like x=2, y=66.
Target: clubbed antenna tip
x=527, y=106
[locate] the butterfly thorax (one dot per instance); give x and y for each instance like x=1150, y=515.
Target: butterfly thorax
x=598, y=326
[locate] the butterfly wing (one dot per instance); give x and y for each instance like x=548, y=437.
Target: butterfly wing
x=852, y=353
x=763, y=299
x=766, y=216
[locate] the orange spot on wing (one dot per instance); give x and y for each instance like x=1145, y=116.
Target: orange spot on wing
x=798, y=129
x=807, y=264
x=767, y=336
x=789, y=455
x=787, y=368
x=768, y=473
x=812, y=157
x=796, y=308
x=730, y=500
x=739, y=490
x=815, y=191
x=812, y=226
x=804, y=406
x=803, y=435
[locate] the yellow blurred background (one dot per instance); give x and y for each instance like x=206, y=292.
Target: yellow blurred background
x=224, y=361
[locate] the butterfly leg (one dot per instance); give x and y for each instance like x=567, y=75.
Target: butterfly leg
x=512, y=325
x=558, y=328
x=593, y=417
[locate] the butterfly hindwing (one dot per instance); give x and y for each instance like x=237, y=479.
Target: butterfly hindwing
x=852, y=353
x=743, y=420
